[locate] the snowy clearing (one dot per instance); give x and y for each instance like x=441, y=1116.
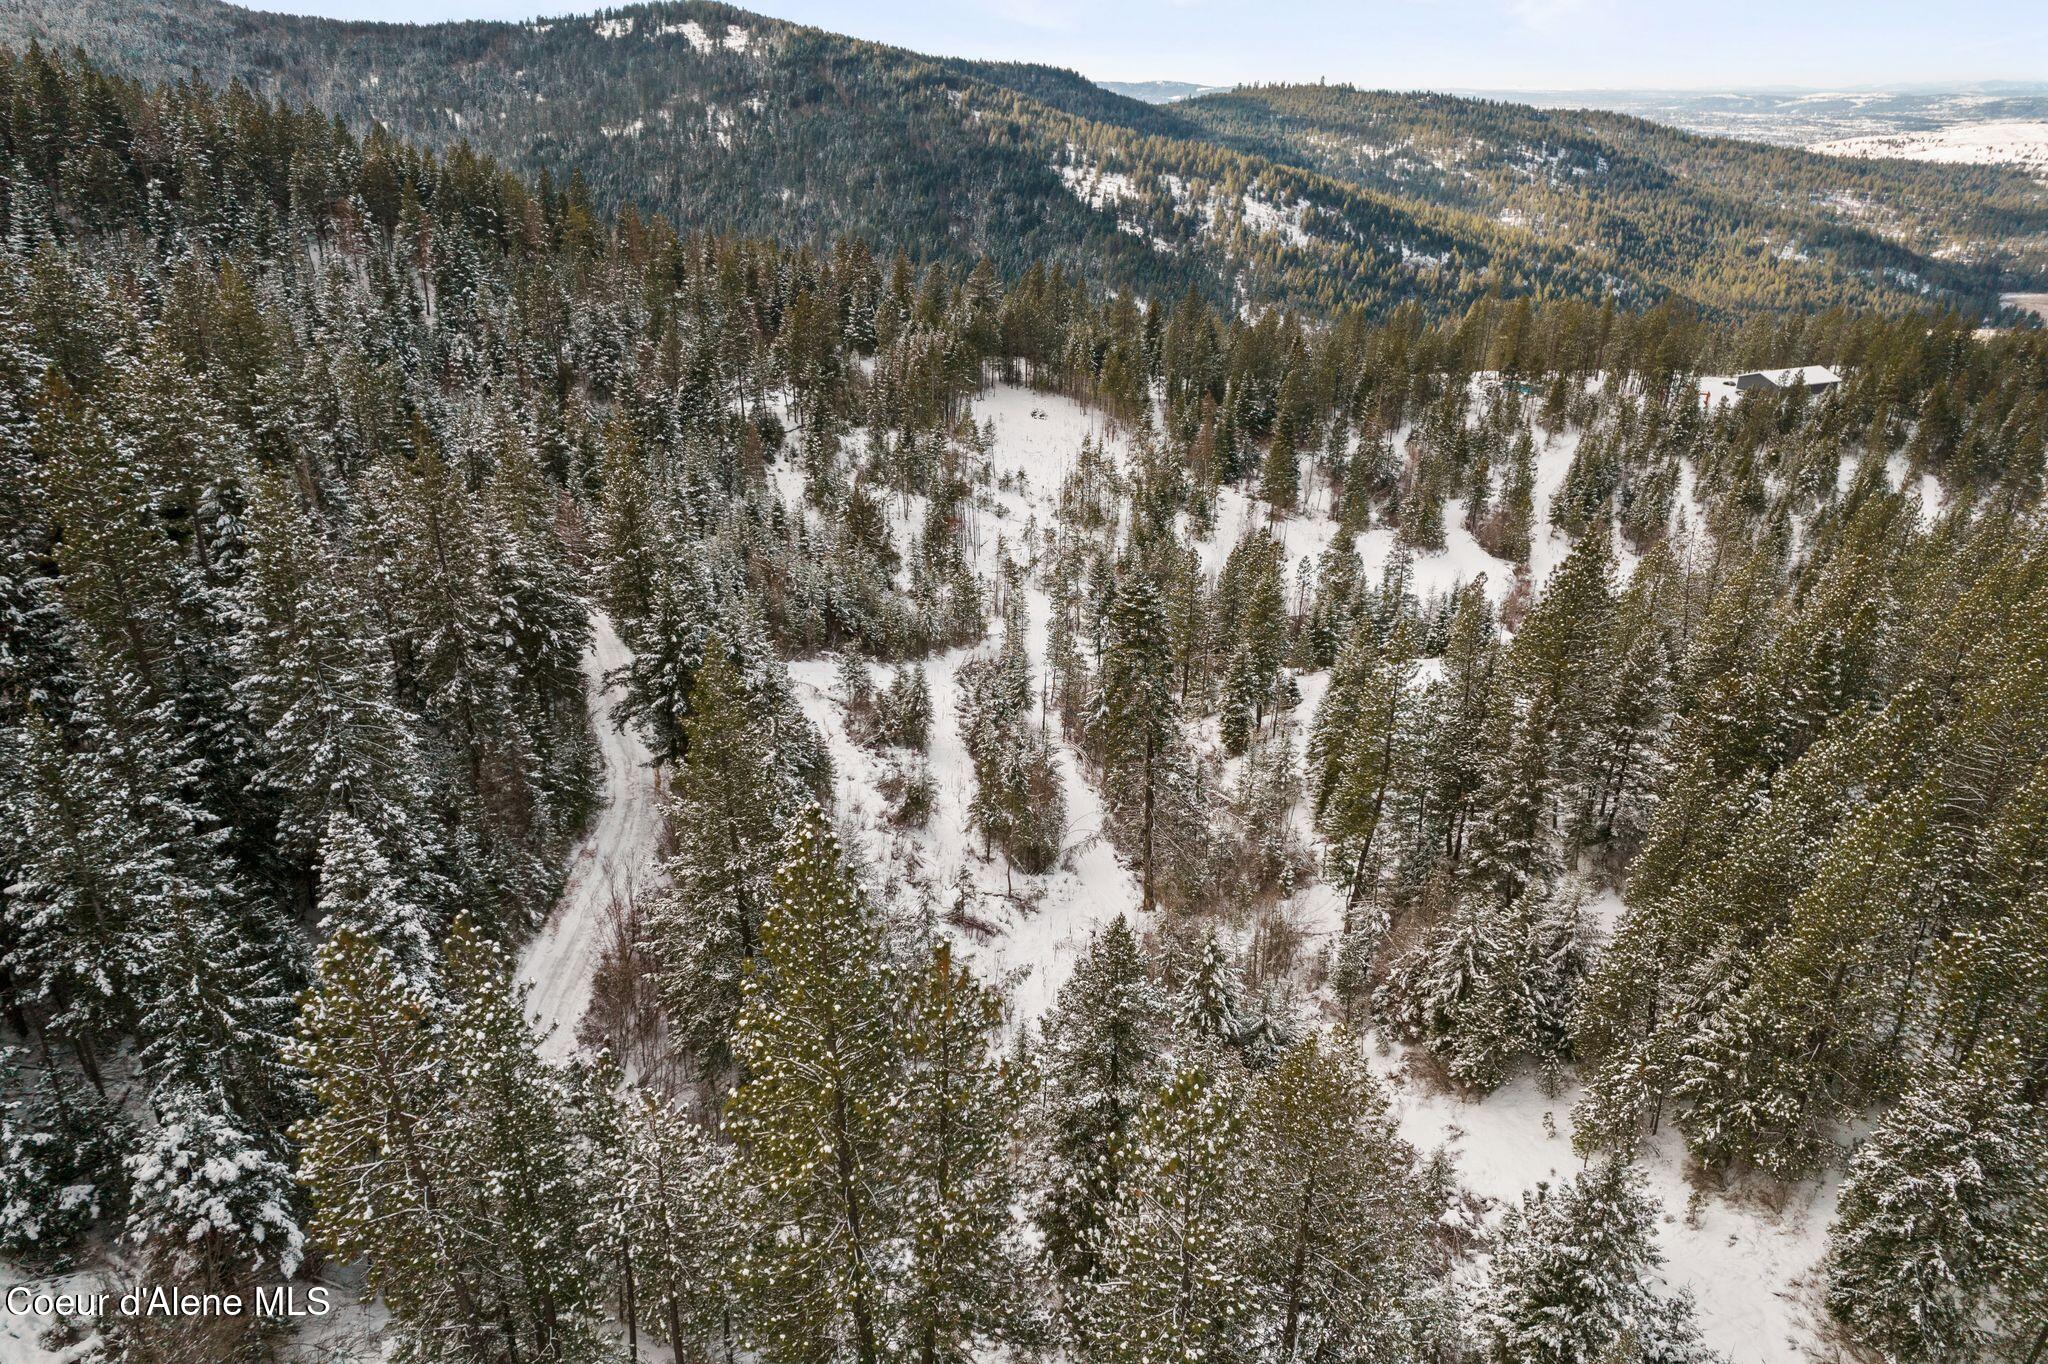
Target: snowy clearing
x=2014, y=142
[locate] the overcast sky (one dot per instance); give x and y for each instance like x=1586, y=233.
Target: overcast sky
x=1406, y=44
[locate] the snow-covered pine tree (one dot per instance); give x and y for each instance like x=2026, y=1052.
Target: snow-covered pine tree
x=904, y=711
x=361, y=890
x=1133, y=721
x=1361, y=750
x=1931, y=1216
x=317, y=682
x=1512, y=851
x=1572, y=1275
x=964, y=1289
x=1458, y=992
x=1101, y=1041
x=507, y=1150
x=1340, y=1255
x=61, y=1145
x=1173, y=1285
x=209, y=1201
x=372, y=1156
x=728, y=812
x=656, y=1181
x=814, y=1121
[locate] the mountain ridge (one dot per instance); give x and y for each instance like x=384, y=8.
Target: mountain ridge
x=720, y=118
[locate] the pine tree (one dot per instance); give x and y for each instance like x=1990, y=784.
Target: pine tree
x=1340, y=1256
x=373, y=1157
x=1512, y=851
x=657, y=1178
x=1930, y=1216
x=1102, y=1039
x=1459, y=991
x=1134, y=714
x=1173, y=1286
x=904, y=712
x=361, y=891
x=727, y=815
x=963, y=1290
x=61, y=1147
x=507, y=1149
x=1280, y=473
x=1360, y=753
x=208, y=1200
x=1571, y=1277
x=317, y=683
x=813, y=1123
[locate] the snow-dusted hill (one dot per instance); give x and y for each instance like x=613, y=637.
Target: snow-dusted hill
x=1747, y=1264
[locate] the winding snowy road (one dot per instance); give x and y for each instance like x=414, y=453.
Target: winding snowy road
x=614, y=860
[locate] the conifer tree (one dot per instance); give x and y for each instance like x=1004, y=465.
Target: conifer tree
x=1571, y=1277
x=1173, y=1284
x=657, y=1177
x=727, y=812
x=814, y=1122
x=317, y=683
x=209, y=1200
x=1339, y=1259
x=1930, y=1216
x=372, y=1156
x=963, y=1290
x=508, y=1150
x=1360, y=754
x=1134, y=714
x=1102, y=1040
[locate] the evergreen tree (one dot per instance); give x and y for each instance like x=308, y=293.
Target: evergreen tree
x=1134, y=714
x=1172, y=1286
x=1102, y=1040
x=1571, y=1278
x=1929, y=1217
x=373, y=1158
x=727, y=816
x=508, y=1152
x=1340, y=1257
x=813, y=1123
x=963, y=1289
x=208, y=1200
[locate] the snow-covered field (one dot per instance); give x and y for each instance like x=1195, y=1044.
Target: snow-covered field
x=2016, y=142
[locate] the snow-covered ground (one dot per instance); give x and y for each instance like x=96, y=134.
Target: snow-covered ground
x=2015, y=142
x=616, y=859
x=1750, y=1266
x=1024, y=930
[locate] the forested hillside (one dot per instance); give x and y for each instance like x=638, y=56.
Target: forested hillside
x=1119, y=762
x=725, y=120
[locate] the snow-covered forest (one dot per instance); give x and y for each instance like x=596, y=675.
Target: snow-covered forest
x=604, y=794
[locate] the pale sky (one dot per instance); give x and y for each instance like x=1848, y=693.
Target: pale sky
x=1411, y=44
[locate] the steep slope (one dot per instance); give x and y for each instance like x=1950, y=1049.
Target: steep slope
x=723, y=119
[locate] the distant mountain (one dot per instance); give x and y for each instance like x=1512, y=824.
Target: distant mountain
x=1160, y=92
x=1313, y=196
x=1804, y=118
